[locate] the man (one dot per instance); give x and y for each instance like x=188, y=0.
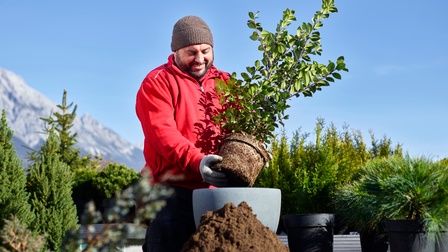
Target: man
x=175, y=105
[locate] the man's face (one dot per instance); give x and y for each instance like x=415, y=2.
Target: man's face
x=194, y=59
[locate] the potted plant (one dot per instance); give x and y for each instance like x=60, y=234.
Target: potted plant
x=442, y=244
x=254, y=105
x=113, y=179
x=356, y=209
x=404, y=193
x=99, y=183
x=317, y=168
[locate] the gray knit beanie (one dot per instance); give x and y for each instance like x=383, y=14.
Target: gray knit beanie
x=190, y=30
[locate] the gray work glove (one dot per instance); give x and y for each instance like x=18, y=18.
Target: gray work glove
x=210, y=176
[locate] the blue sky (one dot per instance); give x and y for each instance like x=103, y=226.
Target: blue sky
x=100, y=52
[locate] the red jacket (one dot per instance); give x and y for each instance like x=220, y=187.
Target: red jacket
x=176, y=117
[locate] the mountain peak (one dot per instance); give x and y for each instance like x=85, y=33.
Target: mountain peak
x=25, y=106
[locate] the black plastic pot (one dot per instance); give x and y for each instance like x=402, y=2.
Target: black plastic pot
x=408, y=236
x=442, y=242
x=373, y=242
x=309, y=232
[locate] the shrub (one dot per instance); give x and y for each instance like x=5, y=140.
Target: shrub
x=13, y=194
x=308, y=172
x=50, y=184
x=114, y=178
x=255, y=103
x=396, y=188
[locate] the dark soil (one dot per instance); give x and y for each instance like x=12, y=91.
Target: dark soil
x=233, y=229
x=243, y=158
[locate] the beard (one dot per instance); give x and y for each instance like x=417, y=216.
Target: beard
x=192, y=68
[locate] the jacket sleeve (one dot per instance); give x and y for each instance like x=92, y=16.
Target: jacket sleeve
x=155, y=110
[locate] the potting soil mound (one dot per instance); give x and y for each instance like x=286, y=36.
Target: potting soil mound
x=233, y=229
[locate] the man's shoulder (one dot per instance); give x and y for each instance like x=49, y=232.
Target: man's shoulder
x=158, y=71
x=162, y=69
x=216, y=73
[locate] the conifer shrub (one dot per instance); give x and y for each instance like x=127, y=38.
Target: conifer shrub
x=308, y=172
x=114, y=178
x=100, y=187
x=93, y=179
x=62, y=121
x=396, y=188
x=45, y=215
x=13, y=194
x=50, y=184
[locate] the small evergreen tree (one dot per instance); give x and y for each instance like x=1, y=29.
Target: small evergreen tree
x=50, y=184
x=63, y=122
x=13, y=194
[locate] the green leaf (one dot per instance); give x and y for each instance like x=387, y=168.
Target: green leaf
x=330, y=66
x=254, y=36
x=281, y=48
x=323, y=83
x=340, y=66
x=251, y=24
x=307, y=93
x=337, y=76
x=245, y=76
x=251, y=15
x=340, y=59
x=307, y=79
x=257, y=64
x=265, y=34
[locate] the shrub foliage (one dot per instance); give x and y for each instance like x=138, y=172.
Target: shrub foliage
x=13, y=194
x=50, y=184
x=308, y=172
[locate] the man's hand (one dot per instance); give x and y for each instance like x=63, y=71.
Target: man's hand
x=210, y=176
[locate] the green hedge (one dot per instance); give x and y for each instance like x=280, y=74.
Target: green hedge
x=308, y=172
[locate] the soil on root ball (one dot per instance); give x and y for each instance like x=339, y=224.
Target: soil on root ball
x=233, y=229
x=243, y=159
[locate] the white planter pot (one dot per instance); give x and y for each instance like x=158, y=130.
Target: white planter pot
x=265, y=202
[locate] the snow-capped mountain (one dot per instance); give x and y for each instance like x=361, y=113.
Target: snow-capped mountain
x=25, y=106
